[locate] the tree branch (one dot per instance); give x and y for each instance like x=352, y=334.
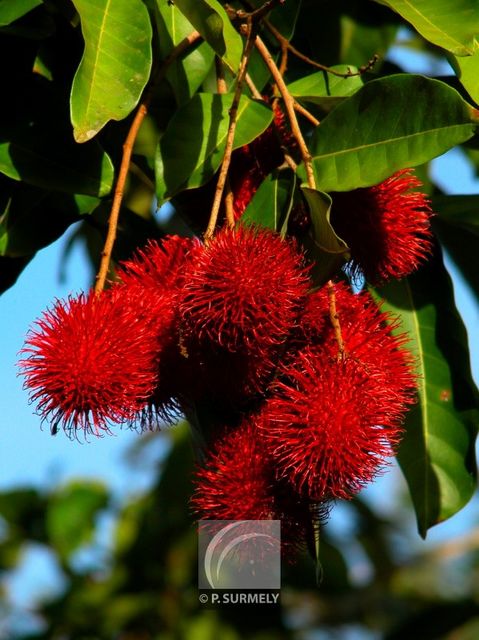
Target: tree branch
x=220, y=185
x=289, y=106
x=284, y=43
x=126, y=159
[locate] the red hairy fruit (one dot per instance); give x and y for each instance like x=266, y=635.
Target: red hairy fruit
x=386, y=226
x=238, y=482
x=329, y=425
x=244, y=290
x=157, y=266
x=156, y=272
x=91, y=361
x=370, y=337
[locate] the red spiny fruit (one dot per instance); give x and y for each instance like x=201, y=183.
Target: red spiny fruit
x=238, y=482
x=386, y=226
x=370, y=337
x=92, y=360
x=329, y=425
x=243, y=291
x=156, y=272
x=157, y=266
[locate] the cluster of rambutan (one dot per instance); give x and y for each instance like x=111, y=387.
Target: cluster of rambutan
x=298, y=418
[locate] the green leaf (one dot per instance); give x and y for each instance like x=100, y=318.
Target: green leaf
x=380, y=130
x=35, y=218
x=437, y=451
x=452, y=26
x=210, y=19
x=327, y=250
x=71, y=515
x=11, y=10
x=272, y=203
x=460, y=211
x=115, y=66
x=467, y=70
x=283, y=17
x=186, y=74
x=325, y=88
x=44, y=161
x=192, y=147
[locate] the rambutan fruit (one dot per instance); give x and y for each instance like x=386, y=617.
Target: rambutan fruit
x=239, y=482
x=91, y=361
x=329, y=425
x=386, y=226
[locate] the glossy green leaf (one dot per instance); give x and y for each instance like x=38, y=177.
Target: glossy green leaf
x=115, y=66
x=327, y=250
x=192, y=147
x=323, y=88
x=452, y=26
x=380, y=130
x=71, y=515
x=467, y=70
x=272, y=203
x=186, y=74
x=45, y=161
x=210, y=19
x=437, y=451
x=11, y=10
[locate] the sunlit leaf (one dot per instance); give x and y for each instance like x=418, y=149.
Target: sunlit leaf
x=467, y=70
x=115, y=65
x=271, y=205
x=452, y=26
x=11, y=10
x=187, y=73
x=437, y=451
x=192, y=147
x=210, y=19
x=380, y=130
x=322, y=87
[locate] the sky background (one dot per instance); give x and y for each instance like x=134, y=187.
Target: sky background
x=30, y=455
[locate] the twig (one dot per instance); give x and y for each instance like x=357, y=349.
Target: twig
x=307, y=160
x=126, y=158
x=253, y=88
x=289, y=106
x=285, y=43
x=220, y=185
x=221, y=86
x=307, y=114
x=255, y=15
x=334, y=317
x=229, y=197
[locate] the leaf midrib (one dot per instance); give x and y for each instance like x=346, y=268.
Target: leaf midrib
x=96, y=56
x=391, y=140
x=422, y=395
x=447, y=36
